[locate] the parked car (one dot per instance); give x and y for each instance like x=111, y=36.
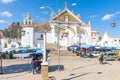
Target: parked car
x=96, y=53
x=110, y=56
x=93, y=54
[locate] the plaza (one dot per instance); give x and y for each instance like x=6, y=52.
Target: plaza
x=55, y=26
x=80, y=69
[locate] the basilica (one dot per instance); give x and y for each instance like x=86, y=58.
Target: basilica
x=66, y=27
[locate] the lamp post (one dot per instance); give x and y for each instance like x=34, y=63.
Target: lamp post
x=1, y=56
x=58, y=47
x=58, y=32
x=113, y=24
x=79, y=35
x=1, y=61
x=42, y=7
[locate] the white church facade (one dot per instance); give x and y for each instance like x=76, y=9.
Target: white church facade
x=71, y=29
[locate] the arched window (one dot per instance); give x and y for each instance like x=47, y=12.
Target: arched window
x=41, y=35
x=66, y=18
x=26, y=22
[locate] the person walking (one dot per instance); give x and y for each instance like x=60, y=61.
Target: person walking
x=101, y=58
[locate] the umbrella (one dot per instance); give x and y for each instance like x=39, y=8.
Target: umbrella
x=39, y=52
x=85, y=46
x=73, y=46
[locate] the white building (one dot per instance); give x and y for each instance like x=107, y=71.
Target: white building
x=72, y=30
x=95, y=38
x=106, y=40
x=116, y=42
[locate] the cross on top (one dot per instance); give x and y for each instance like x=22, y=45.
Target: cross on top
x=66, y=4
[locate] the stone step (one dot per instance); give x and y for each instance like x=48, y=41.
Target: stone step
x=62, y=53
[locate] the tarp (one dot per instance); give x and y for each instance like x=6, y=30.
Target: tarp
x=85, y=46
x=22, y=55
x=95, y=47
x=73, y=46
x=107, y=47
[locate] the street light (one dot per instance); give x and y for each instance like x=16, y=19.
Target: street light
x=1, y=55
x=58, y=47
x=58, y=33
x=1, y=60
x=113, y=24
x=79, y=35
x=42, y=7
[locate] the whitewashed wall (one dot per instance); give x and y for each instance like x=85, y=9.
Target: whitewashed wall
x=38, y=39
x=27, y=39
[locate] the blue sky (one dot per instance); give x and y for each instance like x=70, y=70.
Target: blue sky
x=99, y=12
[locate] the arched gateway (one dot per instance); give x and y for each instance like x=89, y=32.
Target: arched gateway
x=70, y=28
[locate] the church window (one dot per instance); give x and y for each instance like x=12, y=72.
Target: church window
x=41, y=35
x=66, y=18
x=26, y=22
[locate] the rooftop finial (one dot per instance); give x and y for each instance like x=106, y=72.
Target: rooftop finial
x=66, y=5
x=28, y=15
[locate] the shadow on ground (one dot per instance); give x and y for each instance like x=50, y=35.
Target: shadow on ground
x=107, y=63
x=53, y=68
x=17, y=68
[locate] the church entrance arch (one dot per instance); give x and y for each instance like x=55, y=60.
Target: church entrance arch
x=67, y=34
x=84, y=36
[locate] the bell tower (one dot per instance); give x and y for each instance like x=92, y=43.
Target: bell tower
x=28, y=38
x=28, y=20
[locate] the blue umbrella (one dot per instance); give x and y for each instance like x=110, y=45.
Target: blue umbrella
x=85, y=46
x=73, y=46
x=39, y=53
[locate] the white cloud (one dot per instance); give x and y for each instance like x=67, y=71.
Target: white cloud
x=2, y=21
x=107, y=17
x=6, y=13
x=7, y=1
